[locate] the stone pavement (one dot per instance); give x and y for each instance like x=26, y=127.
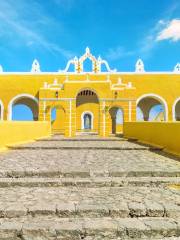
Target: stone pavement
x=88, y=188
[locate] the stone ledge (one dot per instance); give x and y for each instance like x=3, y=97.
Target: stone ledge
x=85, y=228
x=88, y=182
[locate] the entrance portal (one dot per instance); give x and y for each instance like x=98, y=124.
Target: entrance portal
x=87, y=121
x=58, y=119
x=87, y=111
x=117, y=120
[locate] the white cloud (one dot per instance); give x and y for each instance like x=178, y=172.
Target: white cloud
x=148, y=42
x=171, y=31
x=19, y=24
x=162, y=30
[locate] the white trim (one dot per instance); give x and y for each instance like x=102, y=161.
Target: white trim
x=82, y=119
x=26, y=95
x=79, y=63
x=2, y=110
x=174, y=108
x=56, y=99
x=99, y=99
x=87, y=81
x=117, y=99
x=91, y=73
x=157, y=97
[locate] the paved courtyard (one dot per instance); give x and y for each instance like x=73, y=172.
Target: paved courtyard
x=88, y=188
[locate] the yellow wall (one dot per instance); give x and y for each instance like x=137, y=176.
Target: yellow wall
x=165, y=85
x=19, y=132
x=166, y=135
x=13, y=84
x=119, y=128
x=102, y=91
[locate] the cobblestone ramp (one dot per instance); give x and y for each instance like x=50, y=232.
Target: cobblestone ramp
x=88, y=188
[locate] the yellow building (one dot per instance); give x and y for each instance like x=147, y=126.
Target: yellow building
x=89, y=101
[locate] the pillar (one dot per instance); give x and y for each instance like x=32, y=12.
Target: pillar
x=104, y=119
x=170, y=113
x=132, y=111
x=5, y=114
x=43, y=115
x=145, y=111
x=70, y=119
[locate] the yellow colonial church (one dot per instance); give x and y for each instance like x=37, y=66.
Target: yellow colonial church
x=89, y=101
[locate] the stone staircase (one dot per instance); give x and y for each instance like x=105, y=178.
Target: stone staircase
x=88, y=188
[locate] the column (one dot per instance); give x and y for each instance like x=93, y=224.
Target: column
x=133, y=111
x=103, y=119
x=5, y=114
x=169, y=115
x=43, y=115
x=70, y=123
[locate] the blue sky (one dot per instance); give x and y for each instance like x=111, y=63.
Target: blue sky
x=121, y=31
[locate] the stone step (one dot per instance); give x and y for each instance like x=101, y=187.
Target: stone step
x=83, y=148
x=89, y=182
x=85, y=145
x=82, y=140
x=73, y=210
x=89, y=229
x=73, y=202
x=80, y=172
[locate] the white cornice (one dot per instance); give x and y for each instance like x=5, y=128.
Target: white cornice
x=89, y=73
x=100, y=99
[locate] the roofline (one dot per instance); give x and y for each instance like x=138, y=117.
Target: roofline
x=90, y=73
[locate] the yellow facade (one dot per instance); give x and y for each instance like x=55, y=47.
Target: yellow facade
x=164, y=135
x=88, y=102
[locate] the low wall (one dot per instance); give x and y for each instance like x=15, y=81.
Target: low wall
x=164, y=134
x=119, y=128
x=12, y=132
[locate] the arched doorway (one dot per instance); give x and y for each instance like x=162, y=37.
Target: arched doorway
x=176, y=110
x=23, y=107
x=57, y=118
x=87, y=111
x=117, y=119
x=151, y=107
x=87, y=120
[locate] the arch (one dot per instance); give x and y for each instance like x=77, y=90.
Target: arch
x=177, y=101
x=84, y=89
x=24, y=96
x=58, y=122
x=113, y=114
x=53, y=114
x=86, y=96
x=87, y=101
x=1, y=110
x=56, y=108
x=158, y=99
x=139, y=113
x=87, y=65
x=82, y=119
